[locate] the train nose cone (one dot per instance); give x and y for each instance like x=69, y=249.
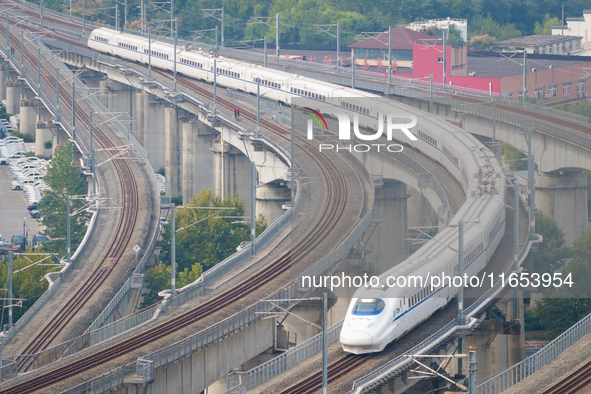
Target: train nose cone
x=356, y=338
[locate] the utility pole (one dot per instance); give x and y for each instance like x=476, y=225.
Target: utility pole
x=265, y=49
x=149, y=53
x=73, y=110
x=291, y=152
x=68, y=226
x=444, y=58
x=494, y=130
x=531, y=184
x=324, y=345
x=83, y=15
x=92, y=170
x=125, y=16
x=217, y=47
x=258, y=107
x=174, y=54
x=252, y=207
x=8, y=32
x=460, y=318
x=524, y=74
x=353, y=71
x=277, y=36
x=215, y=86
x=41, y=12
x=57, y=95
x=9, y=290
x=431, y=97
x=223, y=19
x=172, y=250
x=562, y=24
x=473, y=369
x=389, y=53
x=338, y=42
x=71, y=16
x=117, y=17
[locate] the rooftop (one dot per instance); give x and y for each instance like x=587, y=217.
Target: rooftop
x=535, y=40
x=499, y=66
x=402, y=38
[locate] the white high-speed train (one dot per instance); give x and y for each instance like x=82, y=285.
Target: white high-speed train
x=376, y=316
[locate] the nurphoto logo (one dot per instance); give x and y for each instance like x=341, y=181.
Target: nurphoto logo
x=373, y=129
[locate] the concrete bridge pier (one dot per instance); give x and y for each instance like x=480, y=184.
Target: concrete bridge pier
x=231, y=173
x=562, y=195
x=149, y=125
x=4, y=74
x=197, y=158
x=387, y=246
x=28, y=118
x=269, y=200
x=172, y=150
x=500, y=338
x=13, y=97
x=45, y=131
x=119, y=98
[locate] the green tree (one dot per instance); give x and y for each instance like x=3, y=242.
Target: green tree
x=552, y=253
x=514, y=157
x=27, y=283
x=544, y=27
x=563, y=306
x=157, y=279
x=487, y=25
x=204, y=238
x=207, y=238
x=65, y=179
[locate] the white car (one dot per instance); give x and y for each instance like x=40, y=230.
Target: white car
x=14, y=185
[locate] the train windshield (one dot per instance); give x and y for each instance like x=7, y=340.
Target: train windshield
x=368, y=306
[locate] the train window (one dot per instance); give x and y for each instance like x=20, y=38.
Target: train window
x=368, y=306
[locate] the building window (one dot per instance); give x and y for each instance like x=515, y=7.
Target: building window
x=550, y=49
x=552, y=91
x=542, y=50
x=439, y=60
x=566, y=89
x=538, y=94
x=580, y=86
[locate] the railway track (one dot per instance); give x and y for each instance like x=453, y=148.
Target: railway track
x=337, y=369
x=334, y=204
x=572, y=383
x=118, y=243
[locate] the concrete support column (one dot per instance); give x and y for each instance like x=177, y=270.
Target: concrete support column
x=4, y=67
x=150, y=134
x=231, y=173
x=562, y=195
x=118, y=98
x=197, y=158
x=172, y=151
x=269, y=200
x=45, y=131
x=28, y=118
x=388, y=246
x=420, y=212
x=13, y=97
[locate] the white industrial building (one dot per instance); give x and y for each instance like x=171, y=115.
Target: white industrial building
x=578, y=26
x=460, y=24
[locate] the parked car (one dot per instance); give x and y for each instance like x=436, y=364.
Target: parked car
x=38, y=239
x=7, y=246
x=19, y=240
x=35, y=213
x=14, y=185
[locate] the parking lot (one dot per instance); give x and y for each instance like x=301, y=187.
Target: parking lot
x=13, y=208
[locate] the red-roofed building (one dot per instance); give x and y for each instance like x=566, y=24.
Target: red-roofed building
x=377, y=46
